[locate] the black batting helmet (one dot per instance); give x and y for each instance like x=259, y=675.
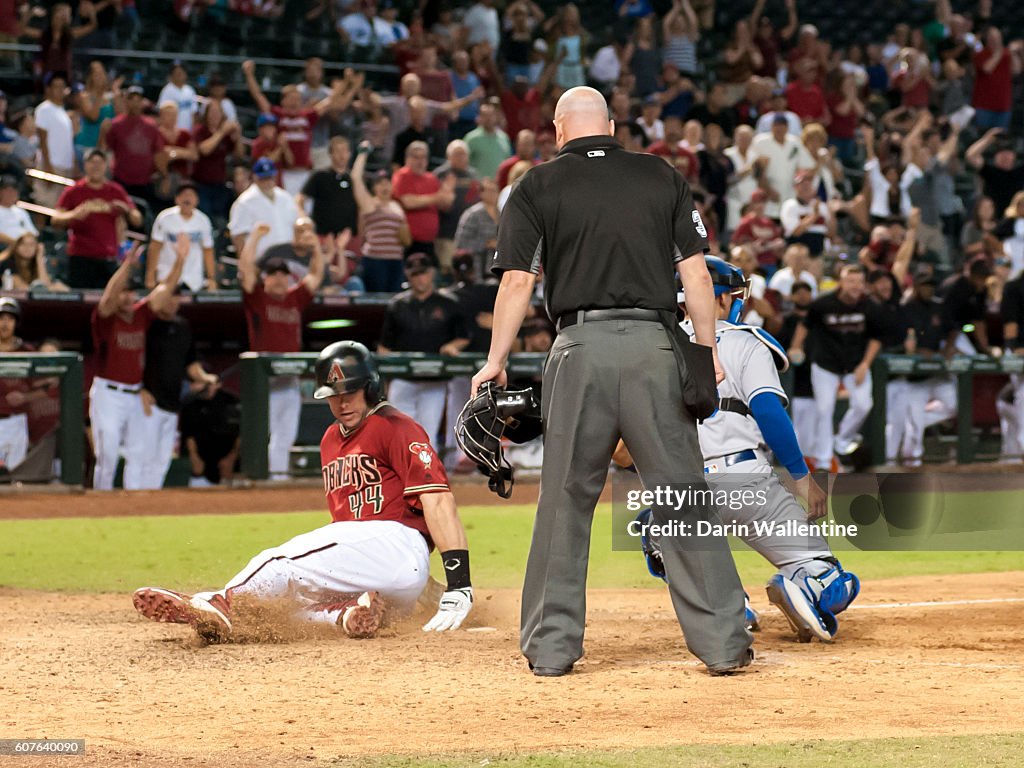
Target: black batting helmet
x=344, y=367
x=10, y=306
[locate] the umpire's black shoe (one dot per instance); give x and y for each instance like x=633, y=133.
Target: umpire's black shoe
x=551, y=671
x=731, y=669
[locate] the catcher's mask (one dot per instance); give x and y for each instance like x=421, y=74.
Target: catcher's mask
x=495, y=413
x=344, y=367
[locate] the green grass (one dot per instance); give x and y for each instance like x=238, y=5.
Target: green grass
x=932, y=752
x=192, y=552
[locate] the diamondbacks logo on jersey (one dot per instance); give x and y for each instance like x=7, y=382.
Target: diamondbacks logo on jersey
x=335, y=374
x=699, y=224
x=355, y=470
x=422, y=451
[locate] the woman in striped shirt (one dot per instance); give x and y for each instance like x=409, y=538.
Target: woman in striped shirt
x=681, y=32
x=384, y=226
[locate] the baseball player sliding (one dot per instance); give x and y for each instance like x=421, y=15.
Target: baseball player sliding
x=390, y=503
x=811, y=586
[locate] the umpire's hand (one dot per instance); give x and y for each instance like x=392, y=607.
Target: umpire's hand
x=490, y=372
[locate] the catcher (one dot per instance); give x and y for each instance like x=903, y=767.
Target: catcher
x=811, y=586
x=388, y=495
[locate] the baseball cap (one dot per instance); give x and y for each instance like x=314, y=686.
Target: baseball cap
x=94, y=152
x=264, y=168
x=9, y=306
x=780, y=118
x=186, y=184
x=51, y=76
x=275, y=264
x=7, y=180
x=759, y=196
x=924, y=276
x=800, y=285
x=266, y=119
x=135, y=90
x=417, y=263
x=77, y=87
x=652, y=100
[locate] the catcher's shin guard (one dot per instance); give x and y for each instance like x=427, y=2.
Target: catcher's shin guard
x=811, y=603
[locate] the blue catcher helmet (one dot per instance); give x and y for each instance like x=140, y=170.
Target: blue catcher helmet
x=726, y=279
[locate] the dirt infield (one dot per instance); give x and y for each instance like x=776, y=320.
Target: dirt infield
x=150, y=694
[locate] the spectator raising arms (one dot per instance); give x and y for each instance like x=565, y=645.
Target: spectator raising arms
x=273, y=315
x=296, y=122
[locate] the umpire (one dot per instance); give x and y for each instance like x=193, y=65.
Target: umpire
x=610, y=229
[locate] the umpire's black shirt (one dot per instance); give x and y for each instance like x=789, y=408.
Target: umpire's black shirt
x=606, y=225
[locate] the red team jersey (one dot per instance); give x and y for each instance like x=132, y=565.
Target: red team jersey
x=275, y=325
x=379, y=470
x=121, y=346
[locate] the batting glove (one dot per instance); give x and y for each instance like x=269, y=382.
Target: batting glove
x=452, y=610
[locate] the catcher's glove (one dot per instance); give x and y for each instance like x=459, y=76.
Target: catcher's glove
x=483, y=422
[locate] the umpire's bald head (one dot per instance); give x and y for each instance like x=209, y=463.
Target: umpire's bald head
x=581, y=112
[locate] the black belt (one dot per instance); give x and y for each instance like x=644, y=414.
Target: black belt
x=126, y=390
x=617, y=313
x=733, y=405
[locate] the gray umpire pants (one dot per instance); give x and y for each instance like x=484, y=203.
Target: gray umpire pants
x=603, y=380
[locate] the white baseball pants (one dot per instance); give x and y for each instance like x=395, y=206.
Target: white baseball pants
x=340, y=560
x=285, y=408
x=927, y=402
x=423, y=401
x=805, y=419
x=896, y=418
x=457, y=396
x=826, y=385
x=115, y=411
x=13, y=440
x=161, y=431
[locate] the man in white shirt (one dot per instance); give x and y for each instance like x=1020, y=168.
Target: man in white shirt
x=181, y=93
x=184, y=219
x=14, y=221
x=743, y=182
x=482, y=24
x=56, y=140
x=786, y=155
x=806, y=218
x=650, y=119
x=263, y=202
x=796, y=258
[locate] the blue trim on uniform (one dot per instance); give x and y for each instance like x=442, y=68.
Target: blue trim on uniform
x=773, y=389
x=778, y=432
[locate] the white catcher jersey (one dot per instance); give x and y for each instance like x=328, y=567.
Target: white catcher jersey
x=750, y=369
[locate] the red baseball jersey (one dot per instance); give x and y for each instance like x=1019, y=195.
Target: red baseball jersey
x=378, y=470
x=275, y=325
x=10, y=385
x=121, y=345
x=297, y=128
x=95, y=236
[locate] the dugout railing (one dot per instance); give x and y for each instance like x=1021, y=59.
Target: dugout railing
x=962, y=368
x=257, y=368
x=67, y=366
